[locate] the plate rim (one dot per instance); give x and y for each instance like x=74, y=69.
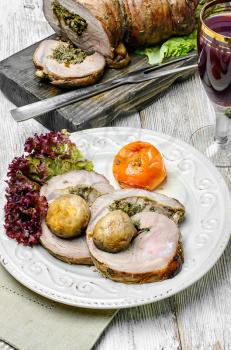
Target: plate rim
x=125, y=303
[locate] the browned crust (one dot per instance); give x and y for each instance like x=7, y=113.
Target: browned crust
x=170, y=271
x=72, y=82
x=74, y=261
x=113, y=14
x=148, y=22
x=143, y=22
x=182, y=15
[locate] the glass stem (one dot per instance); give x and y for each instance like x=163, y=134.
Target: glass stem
x=222, y=125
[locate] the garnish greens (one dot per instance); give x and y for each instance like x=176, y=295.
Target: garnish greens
x=175, y=46
x=53, y=154
x=45, y=156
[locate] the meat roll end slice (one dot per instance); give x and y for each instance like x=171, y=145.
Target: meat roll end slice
x=154, y=255
x=80, y=21
x=67, y=65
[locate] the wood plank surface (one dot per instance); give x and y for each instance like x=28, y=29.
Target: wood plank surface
x=196, y=319
x=21, y=86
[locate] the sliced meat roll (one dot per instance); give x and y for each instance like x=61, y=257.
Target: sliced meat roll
x=88, y=185
x=133, y=201
x=102, y=24
x=154, y=255
x=51, y=60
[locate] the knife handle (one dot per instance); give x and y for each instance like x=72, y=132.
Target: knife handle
x=41, y=107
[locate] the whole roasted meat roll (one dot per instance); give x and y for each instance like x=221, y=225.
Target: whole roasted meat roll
x=102, y=25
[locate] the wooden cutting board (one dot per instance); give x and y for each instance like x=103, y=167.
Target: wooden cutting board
x=19, y=84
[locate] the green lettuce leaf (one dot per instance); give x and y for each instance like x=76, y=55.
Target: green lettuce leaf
x=41, y=170
x=175, y=46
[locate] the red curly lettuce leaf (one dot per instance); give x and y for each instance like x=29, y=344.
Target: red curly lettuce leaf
x=52, y=145
x=25, y=207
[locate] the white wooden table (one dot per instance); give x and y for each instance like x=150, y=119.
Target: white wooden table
x=196, y=319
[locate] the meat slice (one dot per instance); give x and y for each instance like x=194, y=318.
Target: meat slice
x=86, y=72
x=154, y=255
x=133, y=201
x=133, y=22
x=88, y=185
x=73, y=251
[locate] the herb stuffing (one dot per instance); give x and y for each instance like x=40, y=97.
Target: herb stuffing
x=68, y=54
x=127, y=207
x=139, y=229
x=44, y=156
x=86, y=192
x=76, y=23
x=175, y=46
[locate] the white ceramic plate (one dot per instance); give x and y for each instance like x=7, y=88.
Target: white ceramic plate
x=191, y=178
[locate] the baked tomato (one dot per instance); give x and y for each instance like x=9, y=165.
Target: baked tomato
x=139, y=164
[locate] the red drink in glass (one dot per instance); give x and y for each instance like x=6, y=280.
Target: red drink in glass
x=214, y=63
x=214, y=48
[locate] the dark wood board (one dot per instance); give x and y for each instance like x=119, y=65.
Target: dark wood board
x=19, y=84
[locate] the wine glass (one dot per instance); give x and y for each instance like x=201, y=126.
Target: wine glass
x=214, y=64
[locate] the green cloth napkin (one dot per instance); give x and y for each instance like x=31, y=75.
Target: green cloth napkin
x=31, y=322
